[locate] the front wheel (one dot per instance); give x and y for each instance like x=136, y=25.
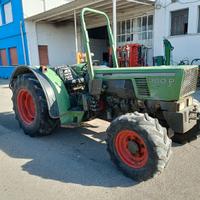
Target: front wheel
x=138, y=145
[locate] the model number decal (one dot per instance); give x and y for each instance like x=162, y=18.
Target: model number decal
x=162, y=81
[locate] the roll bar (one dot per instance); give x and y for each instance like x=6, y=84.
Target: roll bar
x=87, y=41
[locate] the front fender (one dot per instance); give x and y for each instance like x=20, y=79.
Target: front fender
x=54, y=89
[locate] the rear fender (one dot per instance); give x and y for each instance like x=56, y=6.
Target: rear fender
x=55, y=92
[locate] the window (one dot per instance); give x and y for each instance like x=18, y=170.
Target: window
x=135, y=30
x=43, y=54
x=8, y=13
x=179, y=22
x=150, y=27
x=3, y=57
x=13, y=56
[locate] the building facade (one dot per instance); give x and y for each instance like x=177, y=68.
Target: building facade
x=14, y=49
x=179, y=22
x=41, y=32
x=13, y=42
x=53, y=31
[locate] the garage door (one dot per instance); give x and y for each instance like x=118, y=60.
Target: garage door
x=43, y=54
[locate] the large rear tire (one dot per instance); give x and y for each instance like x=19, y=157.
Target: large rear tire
x=30, y=107
x=138, y=145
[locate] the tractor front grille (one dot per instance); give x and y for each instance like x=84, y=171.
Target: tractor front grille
x=198, y=80
x=142, y=87
x=190, y=82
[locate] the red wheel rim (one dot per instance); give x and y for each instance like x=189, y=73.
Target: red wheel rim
x=131, y=148
x=26, y=106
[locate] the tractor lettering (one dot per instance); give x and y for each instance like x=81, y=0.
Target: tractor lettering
x=167, y=82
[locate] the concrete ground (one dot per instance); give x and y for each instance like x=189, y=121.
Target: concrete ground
x=73, y=164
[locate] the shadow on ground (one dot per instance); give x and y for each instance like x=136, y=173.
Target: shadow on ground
x=69, y=155
x=4, y=82
x=8, y=121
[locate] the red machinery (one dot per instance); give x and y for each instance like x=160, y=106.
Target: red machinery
x=131, y=55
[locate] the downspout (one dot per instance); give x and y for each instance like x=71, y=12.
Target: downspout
x=23, y=42
x=76, y=33
x=115, y=22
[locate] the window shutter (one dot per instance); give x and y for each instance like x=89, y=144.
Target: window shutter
x=43, y=54
x=13, y=56
x=3, y=57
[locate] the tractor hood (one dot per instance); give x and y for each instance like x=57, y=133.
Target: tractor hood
x=166, y=83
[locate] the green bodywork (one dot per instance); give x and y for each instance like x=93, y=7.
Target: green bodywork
x=57, y=96
x=63, y=100
x=158, y=83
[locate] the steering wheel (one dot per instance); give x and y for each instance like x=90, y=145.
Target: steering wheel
x=84, y=69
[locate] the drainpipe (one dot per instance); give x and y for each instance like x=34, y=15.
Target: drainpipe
x=76, y=33
x=115, y=22
x=23, y=42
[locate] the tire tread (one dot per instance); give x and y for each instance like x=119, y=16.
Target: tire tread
x=47, y=124
x=162, y=143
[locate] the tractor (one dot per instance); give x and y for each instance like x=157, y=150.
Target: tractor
x=147, y=106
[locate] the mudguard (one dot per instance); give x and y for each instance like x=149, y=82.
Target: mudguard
x=54, y=89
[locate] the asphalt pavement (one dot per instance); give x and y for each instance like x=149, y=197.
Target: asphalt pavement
x=73, y=164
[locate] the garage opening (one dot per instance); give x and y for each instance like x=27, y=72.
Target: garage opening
x=99, y=44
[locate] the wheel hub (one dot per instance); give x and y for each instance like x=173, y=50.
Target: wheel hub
x=26, y=106
x=131, y=148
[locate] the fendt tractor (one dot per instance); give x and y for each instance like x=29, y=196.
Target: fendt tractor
x=145, y=105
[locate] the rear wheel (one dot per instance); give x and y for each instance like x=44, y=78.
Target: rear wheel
x=30, y=106
x=138, y=145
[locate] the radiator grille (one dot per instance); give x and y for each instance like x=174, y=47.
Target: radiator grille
x=198, y=79
x=190, y=82
x=142, y=86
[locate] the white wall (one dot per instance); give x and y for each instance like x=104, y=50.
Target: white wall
x=32, y=42
x=61, y=42
x=186, y=46
x=59, y=38
x=55, y=3
x=33, y=7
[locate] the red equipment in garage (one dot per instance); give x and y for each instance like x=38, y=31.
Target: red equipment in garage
x=131, y=55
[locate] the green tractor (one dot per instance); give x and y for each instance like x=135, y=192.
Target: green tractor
x=145, y=105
